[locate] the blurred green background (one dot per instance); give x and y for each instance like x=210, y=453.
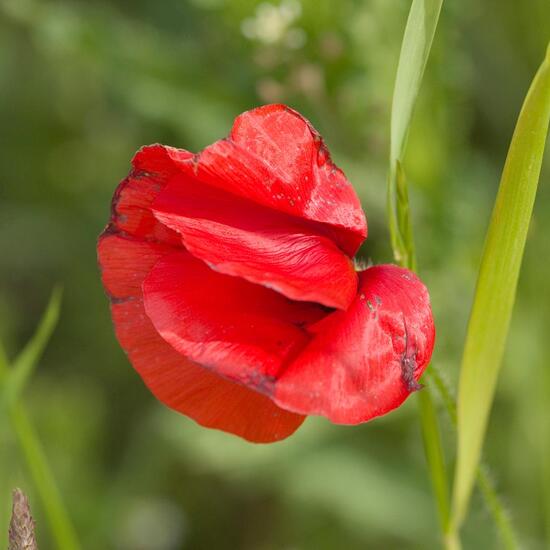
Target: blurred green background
x=83, y=84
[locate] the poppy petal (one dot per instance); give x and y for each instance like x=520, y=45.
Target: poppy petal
x=309, y=184
x=239, y=237
x=242, y=331
x=131, y=214
x=125, y=262
x=364, y=362
x=186, y=387
x=182, y=385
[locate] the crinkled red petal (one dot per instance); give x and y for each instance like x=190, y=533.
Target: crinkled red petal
x=240, y=330
x=131, y=213
x=303, y=180
x=242, y=238
x=273, y=219
x=194, y=391
x=364, y=362
x=181, y=384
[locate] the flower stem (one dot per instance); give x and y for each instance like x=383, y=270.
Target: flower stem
x=435, y=457
x=452, y=542
x=501, y=518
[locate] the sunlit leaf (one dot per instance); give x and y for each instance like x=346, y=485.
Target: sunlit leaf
x=496, y=285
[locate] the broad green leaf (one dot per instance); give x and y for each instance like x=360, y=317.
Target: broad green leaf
x=496, y=285
x=24, y=364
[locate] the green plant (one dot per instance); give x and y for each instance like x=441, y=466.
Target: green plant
x=12, y=383
x=495, y=294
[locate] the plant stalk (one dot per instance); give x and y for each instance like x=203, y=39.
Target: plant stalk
x=43, y=478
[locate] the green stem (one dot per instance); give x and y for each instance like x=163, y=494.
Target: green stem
x=402, y=234
x=434, y=453
x=500, y=517
x=44, y=481
x=452, y=542
x=431, y=434
x=502, y=520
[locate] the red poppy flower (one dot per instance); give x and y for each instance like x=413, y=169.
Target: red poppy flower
x=234, y=294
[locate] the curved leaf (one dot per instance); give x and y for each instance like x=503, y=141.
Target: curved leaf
x=496, y=285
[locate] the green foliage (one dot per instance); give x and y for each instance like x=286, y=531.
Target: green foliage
x=12, y=382
x=496, y=286
x=415, y=50
x=25, y=363
x=433, y=449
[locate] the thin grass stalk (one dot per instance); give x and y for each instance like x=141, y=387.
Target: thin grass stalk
x=415, y=49
x=29, y=444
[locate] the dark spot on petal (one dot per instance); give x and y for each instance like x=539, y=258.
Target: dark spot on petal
x=120, y=299
x=261, y=382
x=141, y=174
x=408, y=365
x=195, y=160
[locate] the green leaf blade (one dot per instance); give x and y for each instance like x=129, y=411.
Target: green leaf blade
x=13, y=379
x=415, y=50
x=497, y=283
x=26, y=361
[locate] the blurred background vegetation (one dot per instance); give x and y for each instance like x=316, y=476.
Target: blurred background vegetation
x=83, y=84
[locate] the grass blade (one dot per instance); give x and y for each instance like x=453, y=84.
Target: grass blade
x=419, y=34
x=43, y=479
x=27, y=359
x=12, y=380
x=490, y=496
x=415, y=49
x=496, y=285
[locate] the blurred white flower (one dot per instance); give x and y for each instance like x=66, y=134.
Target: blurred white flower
x=273, y=24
